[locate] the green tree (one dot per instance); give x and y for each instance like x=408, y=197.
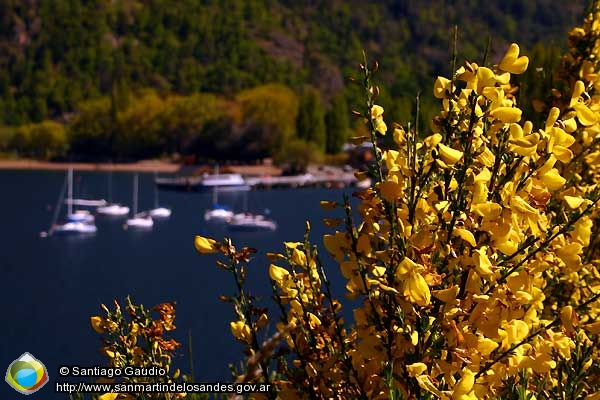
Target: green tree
x=184, y=119
x=139, y=129
x=48, y=140
x=336, y=122
x=45, y=140
x=296, y=155
x=20, y=141
x=7, y=134
x=310, y=124
x=91, y=129
x=268, y=119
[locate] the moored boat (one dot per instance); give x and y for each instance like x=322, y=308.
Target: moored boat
x=249, y=222
x=78, y=221
x=206, y=182
x=138, y=220
x=218, y=213
x=114, y=210
x=158, y=211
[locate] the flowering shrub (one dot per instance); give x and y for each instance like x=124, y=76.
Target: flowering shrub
x=474, y=258
x=136, y=339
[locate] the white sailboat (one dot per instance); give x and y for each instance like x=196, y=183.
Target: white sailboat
x=78, y=221
x=141, y=220
x=219, y=212
x=112, y=209
x=158, y=211
x=80, y=215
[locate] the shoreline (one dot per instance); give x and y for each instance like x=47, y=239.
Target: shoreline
x=140, y=166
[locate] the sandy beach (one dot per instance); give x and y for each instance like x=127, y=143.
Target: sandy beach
x=140, y=166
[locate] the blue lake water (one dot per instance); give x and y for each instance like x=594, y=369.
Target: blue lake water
x=51, y=286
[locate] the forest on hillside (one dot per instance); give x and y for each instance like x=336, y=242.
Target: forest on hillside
x=128, y=79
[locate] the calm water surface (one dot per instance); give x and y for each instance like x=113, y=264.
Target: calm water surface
x=50, y=287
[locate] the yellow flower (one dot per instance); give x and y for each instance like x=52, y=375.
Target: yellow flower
x=511, y=62
x=485, y=346
x=328, y=205
x=349, y=269
x=446, y=295
x=568, y=318
x=313, y=320
x=377, y=119
x=298, y=258
x=425, y=382
x=376, y=112
x=593, y=328
x=483, y=266
x=465, y=235
x=278, y=274
x=573, y=201
x=449, y=155
x=523, y=145
x=335, y=245
x=390, y=190
x=585, y=116
x=108, y=396
x=488, y=209
x=583, y=231
x=441, y=87
x=205, y=245
x=518, y=204
x=569, y=254
x=241, y=331
x=506, y=114
x=416, y=289
x=553, y=180
x=464, y=386
x=516, y=330
x=416, y=369
x=97, y=324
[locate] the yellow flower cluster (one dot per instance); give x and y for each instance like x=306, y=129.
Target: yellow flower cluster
x=464, y=237
x=473, y=265
x=135, y=339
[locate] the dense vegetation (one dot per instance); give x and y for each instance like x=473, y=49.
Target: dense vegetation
x=144, y=78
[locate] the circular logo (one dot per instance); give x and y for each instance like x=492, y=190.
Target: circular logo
x=26, y=374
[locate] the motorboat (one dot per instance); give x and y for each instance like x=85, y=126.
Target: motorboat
x=224, y=182
x=206, y=182
x=249, y=222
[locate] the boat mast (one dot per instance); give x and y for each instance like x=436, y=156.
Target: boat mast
x=155, y=191
x=110, y=187
x=135, y=190
x=215, y=196
x=58, y=207
x=70, y=193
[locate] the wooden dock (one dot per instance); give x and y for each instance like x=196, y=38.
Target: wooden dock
x=338, y=180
